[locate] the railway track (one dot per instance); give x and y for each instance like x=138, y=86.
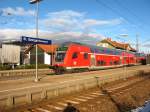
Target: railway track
x=58, y=105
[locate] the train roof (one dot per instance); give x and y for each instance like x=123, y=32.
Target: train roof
x=140, y=54
x=97, y=49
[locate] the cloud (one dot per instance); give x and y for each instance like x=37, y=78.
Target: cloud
x=62, y=25
x=69, y=20
x=147, y=45
x=66, y=20
x=15, y=33
x=93, y=22
x=56, y=37
x=66, y=14
x=18, y=11
x=60, y=21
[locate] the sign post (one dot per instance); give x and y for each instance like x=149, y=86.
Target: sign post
x=31, y=40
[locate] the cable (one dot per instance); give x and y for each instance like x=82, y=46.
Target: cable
x=118, y=13
x=127, y=9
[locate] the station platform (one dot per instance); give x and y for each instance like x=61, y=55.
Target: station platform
x=10, y=85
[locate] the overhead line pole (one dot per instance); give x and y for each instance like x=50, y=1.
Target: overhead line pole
x=137, y=43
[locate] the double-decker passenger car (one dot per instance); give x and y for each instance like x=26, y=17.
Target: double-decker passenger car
x=73, y=56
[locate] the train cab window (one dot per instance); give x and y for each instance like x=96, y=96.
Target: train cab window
x=75, y=55
x=85, y=55
x=60, y=56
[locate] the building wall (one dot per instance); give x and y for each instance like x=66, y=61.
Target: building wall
x=47, y=58
x=40, y=54
x=10, y=54
x=102, y=44
x=0, y=55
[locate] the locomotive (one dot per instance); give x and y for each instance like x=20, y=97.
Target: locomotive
x=72, y=56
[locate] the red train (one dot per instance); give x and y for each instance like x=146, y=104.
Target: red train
x=75, y=56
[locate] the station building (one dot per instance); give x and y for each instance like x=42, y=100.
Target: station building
x=108, y=43
x=46, y=54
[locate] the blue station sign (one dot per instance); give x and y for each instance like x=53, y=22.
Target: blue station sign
x=31, y=40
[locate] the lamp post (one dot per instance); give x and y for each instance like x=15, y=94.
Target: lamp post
x=37, y=34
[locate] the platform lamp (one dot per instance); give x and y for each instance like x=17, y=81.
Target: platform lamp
x=37, y=17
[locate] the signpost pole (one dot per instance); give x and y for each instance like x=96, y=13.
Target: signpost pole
x=37, y=36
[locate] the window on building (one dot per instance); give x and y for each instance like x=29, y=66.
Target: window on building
x=75, y=55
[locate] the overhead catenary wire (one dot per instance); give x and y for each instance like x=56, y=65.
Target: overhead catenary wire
x=128, y=10
x=115, y=11
x=100, y=2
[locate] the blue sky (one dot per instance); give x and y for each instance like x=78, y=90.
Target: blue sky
x=78, y=20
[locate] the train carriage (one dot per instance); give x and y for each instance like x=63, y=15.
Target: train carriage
x=73, y=56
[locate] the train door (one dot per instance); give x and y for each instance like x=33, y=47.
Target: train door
x=93, y=60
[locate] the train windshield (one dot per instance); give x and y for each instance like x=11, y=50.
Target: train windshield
x=60, y=56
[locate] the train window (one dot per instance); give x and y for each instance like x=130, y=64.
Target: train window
x=98, y=62
x=111, y=62
x=132, y=58
x=85, y=55
x=101, y=62
x=116, y=62
x=75, y=55
x=125, y=58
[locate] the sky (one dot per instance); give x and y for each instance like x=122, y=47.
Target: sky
x=86, y=21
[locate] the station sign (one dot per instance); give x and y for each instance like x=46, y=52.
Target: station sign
x=31, y=40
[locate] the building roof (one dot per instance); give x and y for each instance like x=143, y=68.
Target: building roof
x=45, y=48
x=118, y=45
x=48, y=48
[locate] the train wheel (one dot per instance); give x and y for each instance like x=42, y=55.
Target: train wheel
x=57, y=71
